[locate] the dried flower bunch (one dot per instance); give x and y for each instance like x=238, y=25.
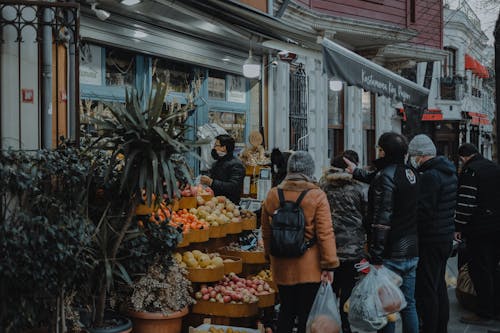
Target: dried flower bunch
x=162, y=289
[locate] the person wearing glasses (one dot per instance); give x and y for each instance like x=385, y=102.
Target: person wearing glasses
x=227, y=173
x=392, y=219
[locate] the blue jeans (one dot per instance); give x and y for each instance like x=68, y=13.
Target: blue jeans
x=407, y=269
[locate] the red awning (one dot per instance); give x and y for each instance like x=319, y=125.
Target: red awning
x=476, y=67
x=432, y=115
x=478, y=118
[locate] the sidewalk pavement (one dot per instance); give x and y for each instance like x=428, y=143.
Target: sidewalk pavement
x=456, y=311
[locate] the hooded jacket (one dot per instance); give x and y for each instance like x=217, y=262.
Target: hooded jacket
x=392, y=210
x=347, y=206
x=436, y=200
x=228, y=173
x=478, y=200
x=322, y=255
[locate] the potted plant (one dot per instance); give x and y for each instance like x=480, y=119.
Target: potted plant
x=161, y=298
x=143, y=141
x=45, y=237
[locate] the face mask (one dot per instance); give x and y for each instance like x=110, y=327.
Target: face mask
x=413, y=162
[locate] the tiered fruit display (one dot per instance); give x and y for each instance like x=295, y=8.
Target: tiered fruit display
x=182, y=218
x=233, y=289
x=198, y=259
x=193, y=191
x=217, y=211
x=213, y=329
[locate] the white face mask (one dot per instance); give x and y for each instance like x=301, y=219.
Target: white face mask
x=413, y=162
x=221, y=153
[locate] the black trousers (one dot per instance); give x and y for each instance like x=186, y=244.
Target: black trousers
x=296, y=301
x=431, y=294
x=484, y=255
x=343, y=282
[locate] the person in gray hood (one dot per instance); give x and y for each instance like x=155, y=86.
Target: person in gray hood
x=436, y=210
x=347, y=204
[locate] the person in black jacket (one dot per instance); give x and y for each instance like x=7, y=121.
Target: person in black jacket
x=392, y=212
x=227, y=173
x=477, y=218
x=436, y=212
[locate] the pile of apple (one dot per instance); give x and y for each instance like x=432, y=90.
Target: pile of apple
x=219, y=210
x=246, y=214
x=198, y=259
x=193, y=191
x=233, y=289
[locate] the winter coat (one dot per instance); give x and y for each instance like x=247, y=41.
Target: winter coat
x=228, y=174
x=436, y=200
x=478, y=200
x=392, y=210
x=322, y=255
x=347, y=205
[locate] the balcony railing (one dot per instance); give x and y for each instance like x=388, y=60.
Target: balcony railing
x=452, y=88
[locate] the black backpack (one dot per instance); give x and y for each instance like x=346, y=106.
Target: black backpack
x=288, y=229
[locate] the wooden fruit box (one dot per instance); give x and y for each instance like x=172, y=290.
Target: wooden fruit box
x=198, y=235
x=217, y=231
x=248, y=257
x=233, y=228
x=249, y=223
x=185, y=240
x=229, y=310
x=188, y=202
x=233, y=267
x=266, y=300
x=205, y=274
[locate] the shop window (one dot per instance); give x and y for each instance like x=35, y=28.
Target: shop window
x=217, y=85
x=368, y=114
x=298, y=109
x=120, y=68
x=335, y=122
x=176, y=76
x=234, y=123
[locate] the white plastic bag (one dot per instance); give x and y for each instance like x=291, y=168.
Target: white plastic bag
x=324, y=316
x=373, y=298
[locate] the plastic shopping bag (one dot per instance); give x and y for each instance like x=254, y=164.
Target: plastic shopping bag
x=324, y=316
x=373, y=298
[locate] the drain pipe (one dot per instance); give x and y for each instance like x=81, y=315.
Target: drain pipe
x=47, y=79
x=72, y=102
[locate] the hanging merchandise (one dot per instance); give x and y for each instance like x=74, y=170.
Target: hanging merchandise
x=208, y=132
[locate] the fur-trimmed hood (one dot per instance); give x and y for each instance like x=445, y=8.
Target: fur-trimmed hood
x=337, y=177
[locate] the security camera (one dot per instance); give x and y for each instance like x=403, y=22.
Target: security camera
x=274, y=63
x=287, y=56
x=100, y=13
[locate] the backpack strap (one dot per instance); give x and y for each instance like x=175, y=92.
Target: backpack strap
x=281, y=196
x=301, y=196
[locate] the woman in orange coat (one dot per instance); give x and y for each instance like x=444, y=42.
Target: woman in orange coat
x=298, y=278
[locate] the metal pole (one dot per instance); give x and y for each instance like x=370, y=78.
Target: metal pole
x=47, y=79
x=497, y=85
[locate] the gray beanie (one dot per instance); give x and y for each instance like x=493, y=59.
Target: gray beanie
x=421, y=145
x=301, y=162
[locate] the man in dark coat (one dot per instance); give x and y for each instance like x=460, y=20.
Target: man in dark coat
x=477, y=219
x=392, y=217
x=436, y=212
x=227, y=173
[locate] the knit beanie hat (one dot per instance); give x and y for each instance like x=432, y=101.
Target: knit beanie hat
x=301, y=162
x=421, y=145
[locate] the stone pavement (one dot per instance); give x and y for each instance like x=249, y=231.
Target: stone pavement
x=454, y=325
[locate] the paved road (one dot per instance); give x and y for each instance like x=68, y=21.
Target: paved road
x=454, y=325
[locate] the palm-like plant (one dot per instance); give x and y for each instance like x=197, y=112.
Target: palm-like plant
x=146, y=141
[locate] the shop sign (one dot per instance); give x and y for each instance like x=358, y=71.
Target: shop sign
x=27, y=96
x=90, y=65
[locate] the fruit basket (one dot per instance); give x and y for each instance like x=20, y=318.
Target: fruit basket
x=248, y=257
x=236, y=310
x=217, y=231
x=185, y=240
x=266, y=300
x=187, y=202
x=249, y=223
x=233, y=228
x=205, y=274
x=198, y=235
x=233, y=266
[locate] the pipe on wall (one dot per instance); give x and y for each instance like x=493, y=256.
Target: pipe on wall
x=47, y=79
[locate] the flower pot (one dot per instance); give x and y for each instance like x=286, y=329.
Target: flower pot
x=116, y=324
x=157, y=322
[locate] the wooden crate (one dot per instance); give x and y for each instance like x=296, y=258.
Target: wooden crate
x=198, y=235
x=233, y=267
x=226, y=309
x=205, y=274
x=266, y=301
x=249, y=223
x=188, y=203
x=217, y=231
x=233, y=228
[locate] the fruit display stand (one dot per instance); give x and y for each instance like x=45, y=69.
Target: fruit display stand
x=232, y=264
x=238, y=310
x=205, y=274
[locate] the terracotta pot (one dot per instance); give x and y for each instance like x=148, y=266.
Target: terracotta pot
x=157, y=322
x=124, y=326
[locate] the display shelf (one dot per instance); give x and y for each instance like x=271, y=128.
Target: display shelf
x=228, y=310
